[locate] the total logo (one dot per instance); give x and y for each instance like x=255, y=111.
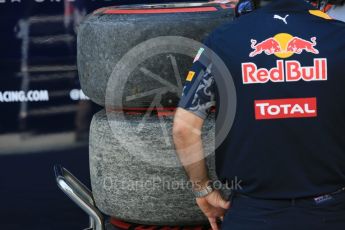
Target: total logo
x=285, y=108
x=283, y=46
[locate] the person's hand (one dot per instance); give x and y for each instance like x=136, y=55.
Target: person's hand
x=213, y=206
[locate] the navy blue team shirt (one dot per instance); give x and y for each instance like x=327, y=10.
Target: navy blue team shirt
x=287, y=61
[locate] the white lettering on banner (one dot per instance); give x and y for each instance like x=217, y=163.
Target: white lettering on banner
x=78, y=94
x=21, y=96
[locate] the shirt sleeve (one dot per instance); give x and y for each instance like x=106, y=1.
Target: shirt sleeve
x=198, y=95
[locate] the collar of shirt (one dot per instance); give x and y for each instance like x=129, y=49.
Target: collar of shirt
x=287, y=5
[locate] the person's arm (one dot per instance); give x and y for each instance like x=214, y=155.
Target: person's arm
x=188, y=143
x=197, y=99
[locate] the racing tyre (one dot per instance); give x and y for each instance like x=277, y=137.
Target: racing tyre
x=109, y=33
x=131, y=186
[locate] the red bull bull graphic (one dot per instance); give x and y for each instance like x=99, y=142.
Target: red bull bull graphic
x=298, y=45
x=269, y=46
x=283, y=45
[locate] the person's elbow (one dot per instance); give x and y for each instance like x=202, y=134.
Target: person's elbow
x=186, y=125
x=180, y=130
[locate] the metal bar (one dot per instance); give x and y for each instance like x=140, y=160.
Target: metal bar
x=80, y=194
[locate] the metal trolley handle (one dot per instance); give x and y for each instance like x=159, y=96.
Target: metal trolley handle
x=80, y=195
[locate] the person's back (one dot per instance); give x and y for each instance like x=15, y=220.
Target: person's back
x=288, y=136
x=286, y=146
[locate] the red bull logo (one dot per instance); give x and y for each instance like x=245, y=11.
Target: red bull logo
x=283, y=45
x=289, y=71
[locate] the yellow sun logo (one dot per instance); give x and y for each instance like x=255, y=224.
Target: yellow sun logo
x=283, y=39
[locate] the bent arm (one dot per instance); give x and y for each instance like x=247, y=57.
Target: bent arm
x=187, y=138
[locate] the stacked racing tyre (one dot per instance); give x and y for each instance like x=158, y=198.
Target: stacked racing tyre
x=133, y=60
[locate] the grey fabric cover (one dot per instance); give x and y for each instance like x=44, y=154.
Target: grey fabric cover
x=337, y=12
x=104, y=38
x=117, y=176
